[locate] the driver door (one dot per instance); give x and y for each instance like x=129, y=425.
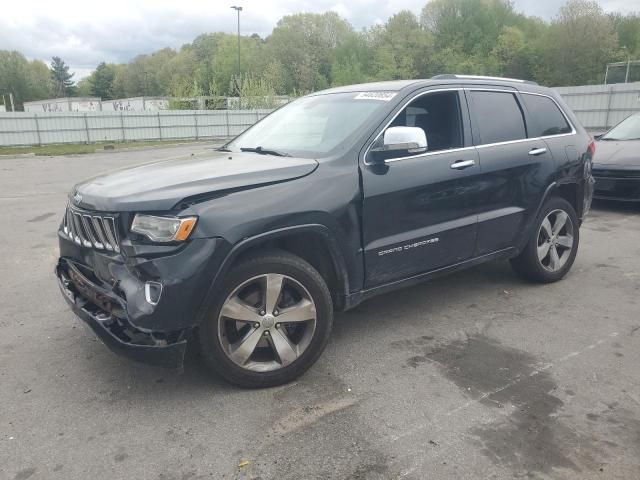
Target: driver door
x=417, y=216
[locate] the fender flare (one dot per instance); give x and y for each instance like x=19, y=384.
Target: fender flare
x=245, y=244
x=551, y=188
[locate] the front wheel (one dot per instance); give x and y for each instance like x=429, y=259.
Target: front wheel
x=271, y=321
x=552, y=249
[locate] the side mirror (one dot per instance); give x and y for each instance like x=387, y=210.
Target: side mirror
x=399, y=142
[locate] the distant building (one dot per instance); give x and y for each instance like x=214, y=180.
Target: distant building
x=135, y=104
x=74, y=104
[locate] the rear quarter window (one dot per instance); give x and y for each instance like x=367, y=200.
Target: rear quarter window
x=546, y=117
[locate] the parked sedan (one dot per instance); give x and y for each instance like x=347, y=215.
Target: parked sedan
x=616, y=167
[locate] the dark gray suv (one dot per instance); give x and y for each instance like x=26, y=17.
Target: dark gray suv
x=333, y=198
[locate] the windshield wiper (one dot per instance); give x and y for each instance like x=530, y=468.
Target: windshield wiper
x=264, y=151
x=222, y=149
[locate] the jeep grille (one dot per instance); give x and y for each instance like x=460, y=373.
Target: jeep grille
x=90, y=230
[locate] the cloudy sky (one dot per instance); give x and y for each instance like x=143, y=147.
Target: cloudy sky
x=86, y=32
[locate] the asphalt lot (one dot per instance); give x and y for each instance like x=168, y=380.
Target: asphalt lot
x=476, y=375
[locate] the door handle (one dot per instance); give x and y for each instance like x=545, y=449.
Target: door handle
x=461, y=164
x=537, y=151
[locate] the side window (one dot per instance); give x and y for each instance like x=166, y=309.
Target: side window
x=546, y=117
x=438, y=114
x=498, y=116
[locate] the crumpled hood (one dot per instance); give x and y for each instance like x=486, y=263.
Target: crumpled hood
x=622, y=153
x=161, y=185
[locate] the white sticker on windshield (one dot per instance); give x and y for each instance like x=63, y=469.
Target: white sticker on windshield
x=384, y=96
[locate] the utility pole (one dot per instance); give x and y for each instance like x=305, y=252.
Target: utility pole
x=238, y=10
x=626, y=76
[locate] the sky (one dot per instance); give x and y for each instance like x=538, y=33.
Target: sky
x=86, y=32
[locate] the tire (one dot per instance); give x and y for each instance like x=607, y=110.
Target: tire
x=284, y=350
x=530, y=263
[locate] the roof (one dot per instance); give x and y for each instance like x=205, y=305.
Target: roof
x=387, y=86
x=63, y=99
x=447, y=79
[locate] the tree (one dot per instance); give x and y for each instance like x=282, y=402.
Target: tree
x=102, y=81
x=579, y=43
x=627, y=29
x=402, y=48
x=511, y=54
x=63, y=85
x=352, y=61
x=23, y=79
x=469, y=26
x=305, y=43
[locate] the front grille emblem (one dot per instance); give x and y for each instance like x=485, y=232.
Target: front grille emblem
x=77, y=198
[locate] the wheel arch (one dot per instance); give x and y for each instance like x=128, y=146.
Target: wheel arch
x=568, y=190
x=312, y=242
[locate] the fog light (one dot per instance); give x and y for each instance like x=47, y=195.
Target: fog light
x=152, y=292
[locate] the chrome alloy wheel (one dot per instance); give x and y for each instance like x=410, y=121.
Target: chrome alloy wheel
x=267, y=322
x=555, y=240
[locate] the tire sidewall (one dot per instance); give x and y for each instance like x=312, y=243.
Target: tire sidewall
x=211, y=348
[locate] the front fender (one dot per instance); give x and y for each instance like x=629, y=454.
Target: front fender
x=246, y=244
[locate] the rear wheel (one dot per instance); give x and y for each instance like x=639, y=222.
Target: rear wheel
x=551, y=251
x=270, y=323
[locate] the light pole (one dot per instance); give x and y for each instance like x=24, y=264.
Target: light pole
x=238, y=9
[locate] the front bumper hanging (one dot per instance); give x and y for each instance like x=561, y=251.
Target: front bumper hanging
x=105, y=313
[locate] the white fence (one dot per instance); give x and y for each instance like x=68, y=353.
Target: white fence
x=28, y=128
x=599, y=107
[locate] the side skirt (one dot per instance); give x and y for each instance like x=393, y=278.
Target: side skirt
x=357, y=298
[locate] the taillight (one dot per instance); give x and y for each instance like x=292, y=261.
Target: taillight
x=592, y=148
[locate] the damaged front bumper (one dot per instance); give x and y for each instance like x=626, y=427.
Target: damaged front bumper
x=105, y=313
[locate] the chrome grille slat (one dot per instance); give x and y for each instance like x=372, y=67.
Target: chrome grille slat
x=76, y=229
x=92, y=231
x=110, y=227
x=87, y=223
x=103, y=233
x=98, y=228
x=83, y=235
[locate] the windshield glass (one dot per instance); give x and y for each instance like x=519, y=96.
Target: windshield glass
x=628, y=129
x=312, y=126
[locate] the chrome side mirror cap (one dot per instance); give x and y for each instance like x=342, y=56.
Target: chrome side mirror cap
x=400, y=142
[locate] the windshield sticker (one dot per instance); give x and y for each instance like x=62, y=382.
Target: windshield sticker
x=384, y=96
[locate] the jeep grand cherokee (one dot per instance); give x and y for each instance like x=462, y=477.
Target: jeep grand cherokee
x=338, y=196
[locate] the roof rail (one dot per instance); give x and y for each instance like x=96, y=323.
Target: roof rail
x=452, y=76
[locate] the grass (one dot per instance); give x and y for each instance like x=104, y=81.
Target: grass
x=71, y=149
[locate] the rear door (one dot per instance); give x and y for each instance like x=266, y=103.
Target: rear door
x=547, y=121
x=416, y=210
x=514, y=168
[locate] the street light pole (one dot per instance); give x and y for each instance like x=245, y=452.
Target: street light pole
x=238, y=9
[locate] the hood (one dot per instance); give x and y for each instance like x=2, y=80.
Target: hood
x=162, y=185
x=619, y=153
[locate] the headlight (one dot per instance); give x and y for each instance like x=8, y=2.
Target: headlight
x=163, y=229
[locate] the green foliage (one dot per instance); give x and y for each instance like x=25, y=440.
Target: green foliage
x=255, y=92
x=305, y=43
x=577, y=46
x=102, y=81
x=627, y=29
x=25, y=80
x=62, y=79
x=307, y=52
x=182, y=92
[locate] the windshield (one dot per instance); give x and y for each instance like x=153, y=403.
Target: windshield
x=628, y=129
x=311, y=126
